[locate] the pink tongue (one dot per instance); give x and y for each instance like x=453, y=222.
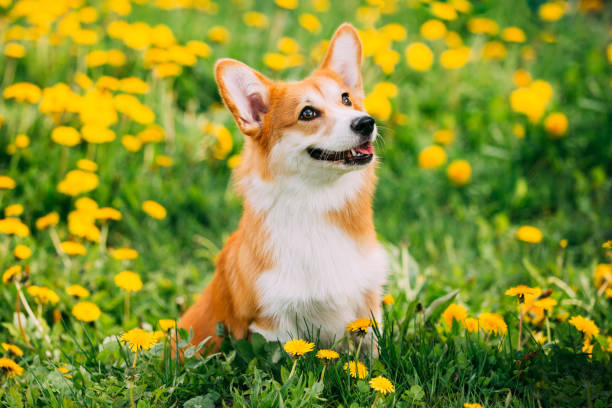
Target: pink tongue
x=365, y=148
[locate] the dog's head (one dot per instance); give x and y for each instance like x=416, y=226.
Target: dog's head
x=317, y=125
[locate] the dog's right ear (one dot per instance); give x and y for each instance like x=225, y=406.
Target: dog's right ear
x=246, y=94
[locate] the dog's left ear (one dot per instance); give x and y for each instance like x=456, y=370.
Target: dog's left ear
x=344, y=56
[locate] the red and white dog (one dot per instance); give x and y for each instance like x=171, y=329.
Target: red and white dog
x=305, y=254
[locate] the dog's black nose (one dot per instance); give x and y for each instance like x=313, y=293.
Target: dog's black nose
x=363, y=125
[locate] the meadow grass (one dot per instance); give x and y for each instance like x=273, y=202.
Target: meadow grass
x=453, y=234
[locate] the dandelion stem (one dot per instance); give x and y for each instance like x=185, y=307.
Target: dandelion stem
x=135, y=359
x=104, y=236
x=58, y=247
x=603, y=286
x=375, y=400
x=127, y=306
x=323, y=373
x=26, y=306
x=520, y=331
x=292, y=369
x=23, y=334
x=548, y=327
x=359, y=348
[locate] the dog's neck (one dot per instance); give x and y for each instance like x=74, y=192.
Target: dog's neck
x=304, y=195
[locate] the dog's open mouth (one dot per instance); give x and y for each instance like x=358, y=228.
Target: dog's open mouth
x=361, y=154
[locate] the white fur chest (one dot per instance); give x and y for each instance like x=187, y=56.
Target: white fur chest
x=321, y=274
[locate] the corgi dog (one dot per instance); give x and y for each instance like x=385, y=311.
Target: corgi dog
x=305, y=257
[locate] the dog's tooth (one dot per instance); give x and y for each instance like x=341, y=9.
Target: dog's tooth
x=353, y=152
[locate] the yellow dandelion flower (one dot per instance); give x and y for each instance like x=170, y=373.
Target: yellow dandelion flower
x=7, y=183
x=454, y=312
x=470, y=324
x=14, y=210
x=607, y=244
x=131, y=143
x=14, y=50
x=22, y=252
x=472, y=405
x=255, y=19
x=86, y=311
x=492, y=323
x=494, y=50
x=361, y=325
x=321, y=6
x=444, y=136
x=10, y=367
x=432, y=157
x=459, y=172
x=356, y=370
x=325, y=354
x=287, y=4
x=522, y=290
x=298, y=347
x=10, y=273
x=513, y=34
x=310, y=22
x=518, y=130
x=129, y=281
x=546, y=303
x=167, y=324
x=455, y=58
x=87, y=165
x=551, y=11
x=521, y=78
x=108, y=213
x=530, y=234
x=602, y=274
x=154, y=209
x=275, y=60
x=11, y=348
x=138, y=339
x=43, y=295
x=433, y=29
x=388, y=300
x=419, y=56
x=121, y=254
x=97, y=134
x=157, y=336
x=482, y=25
x=394, y=32
x=12, y=225
x=77, y=291
x=73, y=248
x=48, y=220
x=443, y=11
x=66, y=136
x=77, y=182
x=585, y=325
x=167, y=69
x=22, y=141
x=22, y=92
x=382, y=385
x=218, y=34
x=556, y=124
x=163, y=161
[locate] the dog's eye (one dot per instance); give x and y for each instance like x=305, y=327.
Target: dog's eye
x=308, y=113
x=346, y=100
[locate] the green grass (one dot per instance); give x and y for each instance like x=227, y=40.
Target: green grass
x=440, y=237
